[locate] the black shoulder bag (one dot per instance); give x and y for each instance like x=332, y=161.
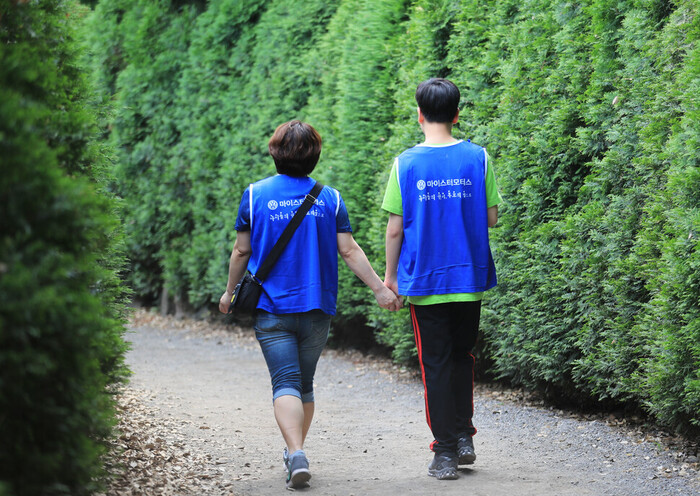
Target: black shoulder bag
x=249, y=288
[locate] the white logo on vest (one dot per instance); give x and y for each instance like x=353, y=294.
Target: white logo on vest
x=421, y=185
x=272, y=205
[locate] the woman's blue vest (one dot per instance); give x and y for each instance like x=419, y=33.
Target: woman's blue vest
x=305, y=276
x=445, y=248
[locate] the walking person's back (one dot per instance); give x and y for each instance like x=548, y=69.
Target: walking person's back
x=442, y=198
x=298, y=300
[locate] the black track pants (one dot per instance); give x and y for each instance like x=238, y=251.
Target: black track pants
x=445, y=336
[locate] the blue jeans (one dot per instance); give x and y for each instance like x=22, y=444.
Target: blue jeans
x=292, y=344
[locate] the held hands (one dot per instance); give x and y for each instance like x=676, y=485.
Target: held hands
x=388, y=298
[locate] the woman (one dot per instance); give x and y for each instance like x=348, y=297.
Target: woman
x=299, y=295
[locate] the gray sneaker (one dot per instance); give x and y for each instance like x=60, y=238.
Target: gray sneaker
x=465, y=450
x=297, y=466
x=285, y=458
x=443, y=467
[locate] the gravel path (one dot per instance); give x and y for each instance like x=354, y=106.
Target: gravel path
x=197, y=419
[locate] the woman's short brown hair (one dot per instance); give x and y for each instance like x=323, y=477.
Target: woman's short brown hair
x=295, y=147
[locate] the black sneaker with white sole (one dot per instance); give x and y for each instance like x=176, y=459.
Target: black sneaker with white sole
x=443, y=467
x=465, y=449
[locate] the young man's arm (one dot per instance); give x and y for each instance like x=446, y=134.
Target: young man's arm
x=492, y=215
x=394, y=239
x=493, y=197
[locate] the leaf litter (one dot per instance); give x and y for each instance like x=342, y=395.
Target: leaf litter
x=150, y=456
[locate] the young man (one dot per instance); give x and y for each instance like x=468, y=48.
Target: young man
x=442, y=198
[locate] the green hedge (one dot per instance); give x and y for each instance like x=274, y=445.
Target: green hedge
x=588, y=109
x=61, y=303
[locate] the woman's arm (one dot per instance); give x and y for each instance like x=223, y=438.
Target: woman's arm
x=236, y=268
x=356, y=259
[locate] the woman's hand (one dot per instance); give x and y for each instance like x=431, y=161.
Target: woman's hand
x=225, y=301
x=236, y=267
x=387, y=299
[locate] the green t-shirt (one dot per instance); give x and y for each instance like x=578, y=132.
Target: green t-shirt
x=392, y=203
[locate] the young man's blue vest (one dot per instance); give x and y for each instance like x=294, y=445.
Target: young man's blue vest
x=305, y=276
x=446, y=246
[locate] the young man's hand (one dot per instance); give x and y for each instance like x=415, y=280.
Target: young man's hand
x=393, y=285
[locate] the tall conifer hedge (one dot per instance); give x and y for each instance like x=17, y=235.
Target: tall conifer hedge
x=61, y=303
x=588, y=109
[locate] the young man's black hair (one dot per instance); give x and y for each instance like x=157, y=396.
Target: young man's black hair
x=438, y=99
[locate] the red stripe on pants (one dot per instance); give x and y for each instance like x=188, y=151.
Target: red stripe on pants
x=416, y=336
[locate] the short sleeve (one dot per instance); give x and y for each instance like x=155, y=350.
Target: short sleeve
x=342, y=219
x=243, y=219
x=493, y=197
x=392, y=196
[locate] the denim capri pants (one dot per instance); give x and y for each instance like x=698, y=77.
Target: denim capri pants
x=292, y=344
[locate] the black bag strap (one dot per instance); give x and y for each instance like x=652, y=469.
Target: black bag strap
x=281, y=244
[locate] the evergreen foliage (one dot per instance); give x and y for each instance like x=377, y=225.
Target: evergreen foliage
x=353, y=110
x=143, y=65
x=241, y=54
x=209, y=111
x=61, y=303
x=589, y=111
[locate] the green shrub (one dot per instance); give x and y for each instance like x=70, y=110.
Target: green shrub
x=588, y=111
x=668, y=379
x=140, y=64
x=61, y=304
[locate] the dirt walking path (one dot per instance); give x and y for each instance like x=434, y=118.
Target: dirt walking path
x=207, y=391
